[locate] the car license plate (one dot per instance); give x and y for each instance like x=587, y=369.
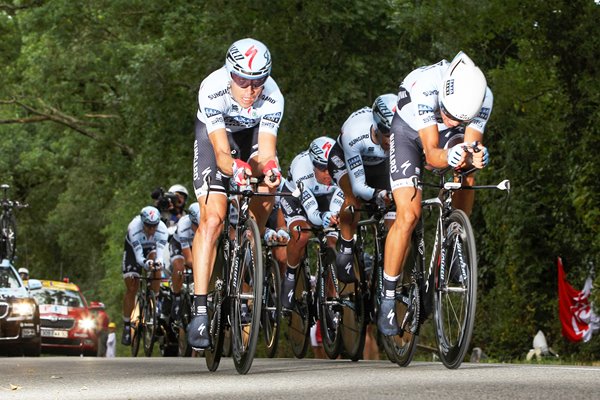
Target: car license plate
x=54, y=333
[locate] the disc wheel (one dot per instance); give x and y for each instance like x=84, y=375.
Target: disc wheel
x=353, y=322
x=298, y=331
x=456, y=293
x=329, y=307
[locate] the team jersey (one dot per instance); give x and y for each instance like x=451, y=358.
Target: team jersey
x=360, y=151
x=217, y=109
x=419, y=105
x=184, y=233
x=140, y=242
x=302, y=170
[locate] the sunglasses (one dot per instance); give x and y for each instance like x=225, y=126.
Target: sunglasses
x=150, y=226
x=244, y=82
x=320, y=167
x=452, y=117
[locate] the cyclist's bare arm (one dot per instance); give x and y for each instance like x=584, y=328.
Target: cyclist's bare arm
x=220, y=144
x=434, y=156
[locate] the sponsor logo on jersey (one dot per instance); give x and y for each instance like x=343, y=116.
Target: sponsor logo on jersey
x=484, y=113
x=360, y=172
x=270, y=125
x=239, y=120
x=424, y=109
x=358, y=139
x=403, y=98
x=430, y=93
x=337, y=161
x=267, y=99
x=218, y=94
x=354, y=162
x=431, y=118
x=211, y=112
x=275, y=117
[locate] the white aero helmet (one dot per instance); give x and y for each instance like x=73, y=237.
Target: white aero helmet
x=463, y=89
x=23, y=270
x=150, y=215
x=384, y=108
x=179, y=189
x=319, y=151
x=194, y=213
x=249, y=59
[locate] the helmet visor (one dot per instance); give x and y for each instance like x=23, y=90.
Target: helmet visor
x=319, y=166
x=245, y=82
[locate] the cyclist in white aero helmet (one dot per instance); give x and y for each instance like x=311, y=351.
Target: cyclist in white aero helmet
x=442, y=111
x=240, y=108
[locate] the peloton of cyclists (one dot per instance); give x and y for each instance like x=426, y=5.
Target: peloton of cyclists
x=180, y=246
x=145, y=242
x=318, y=205
x=240, y=108
x=431, y=100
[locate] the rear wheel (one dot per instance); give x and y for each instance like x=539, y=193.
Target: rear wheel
x=353, y=323
x=299, y=317
x=150, y=324
x=183, y=347
x=329, y=307
x=246, y=302
x=271, y=311
x=215, y=300
x=456, y=292
x=401, y=348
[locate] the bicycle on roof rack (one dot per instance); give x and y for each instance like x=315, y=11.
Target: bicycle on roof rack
x=8, y=225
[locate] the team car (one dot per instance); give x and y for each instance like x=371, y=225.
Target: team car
x=19, y=314
x=67, y=324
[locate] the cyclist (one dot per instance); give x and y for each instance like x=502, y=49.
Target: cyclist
x=318, y=205
x=431, y=100
x=145, y=242
x=240, y=108
x=363, y=145
x=180, y=246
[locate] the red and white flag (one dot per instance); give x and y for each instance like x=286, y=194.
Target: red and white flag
x=578, y=319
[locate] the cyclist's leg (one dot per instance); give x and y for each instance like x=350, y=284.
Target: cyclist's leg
x=131, y=273
x=204, y=247
x=296, y=248
x=348, y=223
x=404, y=150
x=177, y=266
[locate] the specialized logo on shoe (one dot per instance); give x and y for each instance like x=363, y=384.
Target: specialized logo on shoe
x=290, y=295
x=201, y=329
x=391, y=316
x=348, y=268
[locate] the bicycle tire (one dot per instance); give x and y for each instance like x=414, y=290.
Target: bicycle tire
x=298, y=331
x=137, y=326
x=183, y=347
x=215, y=303
x=150, y=324
x=455, y=298
x=8, y=227
x=401, y=348
x=247, y=292
x=271, y=311
x=353, y=322
x=329, y=309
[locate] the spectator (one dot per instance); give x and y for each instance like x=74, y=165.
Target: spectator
x=111, y=341
x=24, y=273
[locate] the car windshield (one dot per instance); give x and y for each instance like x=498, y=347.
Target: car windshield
x=8, y=279
x=69, y=298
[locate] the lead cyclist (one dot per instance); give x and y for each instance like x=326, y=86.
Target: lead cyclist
x=239, y=111
x=443, y=97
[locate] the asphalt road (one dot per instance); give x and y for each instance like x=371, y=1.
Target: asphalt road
x=65, y=378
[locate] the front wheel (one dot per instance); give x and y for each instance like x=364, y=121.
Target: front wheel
x=456, y=291
x=246, y=302
x=329, y=306
x=137, y=325
x=299, y=317
x=215, y=300
x=150, y=324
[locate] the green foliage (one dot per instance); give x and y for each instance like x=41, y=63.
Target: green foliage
x=98, y=99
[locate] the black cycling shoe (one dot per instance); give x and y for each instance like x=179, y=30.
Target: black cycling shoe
x=287, y=293
x=344, y=262
x=198, y=332
x=387, y=322
x=126, y=337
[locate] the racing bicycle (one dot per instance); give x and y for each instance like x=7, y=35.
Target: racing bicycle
x=144, y=318
x=8, y=225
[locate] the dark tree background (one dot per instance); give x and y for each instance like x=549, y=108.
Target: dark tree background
x=97, y=103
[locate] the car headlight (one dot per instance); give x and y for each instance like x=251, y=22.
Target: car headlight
x=23, y=309
x=87, y=324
